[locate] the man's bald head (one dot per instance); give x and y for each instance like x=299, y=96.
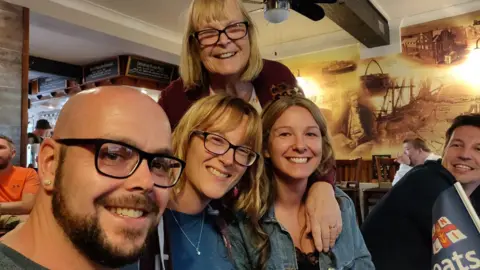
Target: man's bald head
x=86, y=113
x=101, y=189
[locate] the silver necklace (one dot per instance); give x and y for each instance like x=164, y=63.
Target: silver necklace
x=197, y=247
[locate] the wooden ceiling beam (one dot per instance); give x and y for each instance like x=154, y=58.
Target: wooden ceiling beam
x=361, y=20
x=55, y=68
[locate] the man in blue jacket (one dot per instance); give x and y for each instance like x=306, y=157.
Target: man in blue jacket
x=398, y=232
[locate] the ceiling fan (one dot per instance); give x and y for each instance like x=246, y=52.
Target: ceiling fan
x=276, y=11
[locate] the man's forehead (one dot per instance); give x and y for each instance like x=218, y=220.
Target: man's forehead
x=119, y=114
x=131, y=125
x=158, y=146
x=108, y=108
x=466, y=133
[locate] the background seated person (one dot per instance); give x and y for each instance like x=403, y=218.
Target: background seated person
x=18, y=185
x=415, y=152
x=42, y=130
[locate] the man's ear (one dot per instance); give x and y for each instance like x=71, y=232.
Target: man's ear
x=14, y=153
x=47, y=162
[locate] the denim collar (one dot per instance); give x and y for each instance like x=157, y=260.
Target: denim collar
x=269, y=217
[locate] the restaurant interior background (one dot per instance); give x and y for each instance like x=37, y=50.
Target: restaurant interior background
x=372, y=96
x=413, y=93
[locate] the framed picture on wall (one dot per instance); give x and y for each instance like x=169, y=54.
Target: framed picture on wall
x=374, y=164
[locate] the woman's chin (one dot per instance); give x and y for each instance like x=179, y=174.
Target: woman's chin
x=228, y=71
x=215, y=194
x=228, y=74
x=299, y=177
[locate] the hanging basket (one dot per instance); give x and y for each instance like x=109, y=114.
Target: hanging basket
x=375, y=82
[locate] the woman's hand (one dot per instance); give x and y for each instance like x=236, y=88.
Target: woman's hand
x=324, y=218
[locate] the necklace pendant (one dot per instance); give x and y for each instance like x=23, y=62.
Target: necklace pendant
x=198, y=252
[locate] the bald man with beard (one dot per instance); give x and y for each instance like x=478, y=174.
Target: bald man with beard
x=105, y=178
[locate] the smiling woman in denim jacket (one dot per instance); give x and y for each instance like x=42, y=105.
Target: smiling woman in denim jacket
x=297, y=148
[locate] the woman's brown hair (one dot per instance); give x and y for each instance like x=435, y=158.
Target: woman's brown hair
x=291, y=97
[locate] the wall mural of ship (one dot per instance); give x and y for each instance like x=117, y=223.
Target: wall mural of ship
x=404, y=107
x=339, y=67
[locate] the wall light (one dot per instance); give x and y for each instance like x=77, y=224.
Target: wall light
x=468, y=71
x=310, y=89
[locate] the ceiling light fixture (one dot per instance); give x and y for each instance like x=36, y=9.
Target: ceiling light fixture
x=276, y=11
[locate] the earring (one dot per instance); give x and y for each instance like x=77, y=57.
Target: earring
x=235, y=191
x=47, y=182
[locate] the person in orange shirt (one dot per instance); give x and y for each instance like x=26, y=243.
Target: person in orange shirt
x=18, y=185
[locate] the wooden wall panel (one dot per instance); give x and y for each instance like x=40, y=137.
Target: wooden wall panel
x=11, y=52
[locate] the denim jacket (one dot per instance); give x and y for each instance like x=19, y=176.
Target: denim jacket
x=349, y=251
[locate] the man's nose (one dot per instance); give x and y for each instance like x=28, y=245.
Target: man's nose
x=465, y=153
x=464, y=157
x=141, y=179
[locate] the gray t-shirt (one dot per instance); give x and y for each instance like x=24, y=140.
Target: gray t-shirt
x=10, y=259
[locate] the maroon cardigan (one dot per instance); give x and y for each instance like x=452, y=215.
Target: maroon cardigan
x=176, y=100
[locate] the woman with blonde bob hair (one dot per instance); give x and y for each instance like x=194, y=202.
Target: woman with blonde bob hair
x=219, y=138
x=222, y=114
x=220, y=54
x=297, y=149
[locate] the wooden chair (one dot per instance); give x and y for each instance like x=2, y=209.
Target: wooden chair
x=386, y=168
x=348, y=179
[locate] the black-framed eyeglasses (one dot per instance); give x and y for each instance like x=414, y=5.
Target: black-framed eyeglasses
x=120, y=160
x=212, y=36
x=218, y=145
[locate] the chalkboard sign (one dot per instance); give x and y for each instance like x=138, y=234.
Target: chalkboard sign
x=100, y=71
x=149, y=69
x=374, y=164
x=51, y=84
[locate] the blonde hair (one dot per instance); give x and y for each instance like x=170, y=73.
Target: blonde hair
x=226, y=111
x=270, y=115
x=192, y=71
